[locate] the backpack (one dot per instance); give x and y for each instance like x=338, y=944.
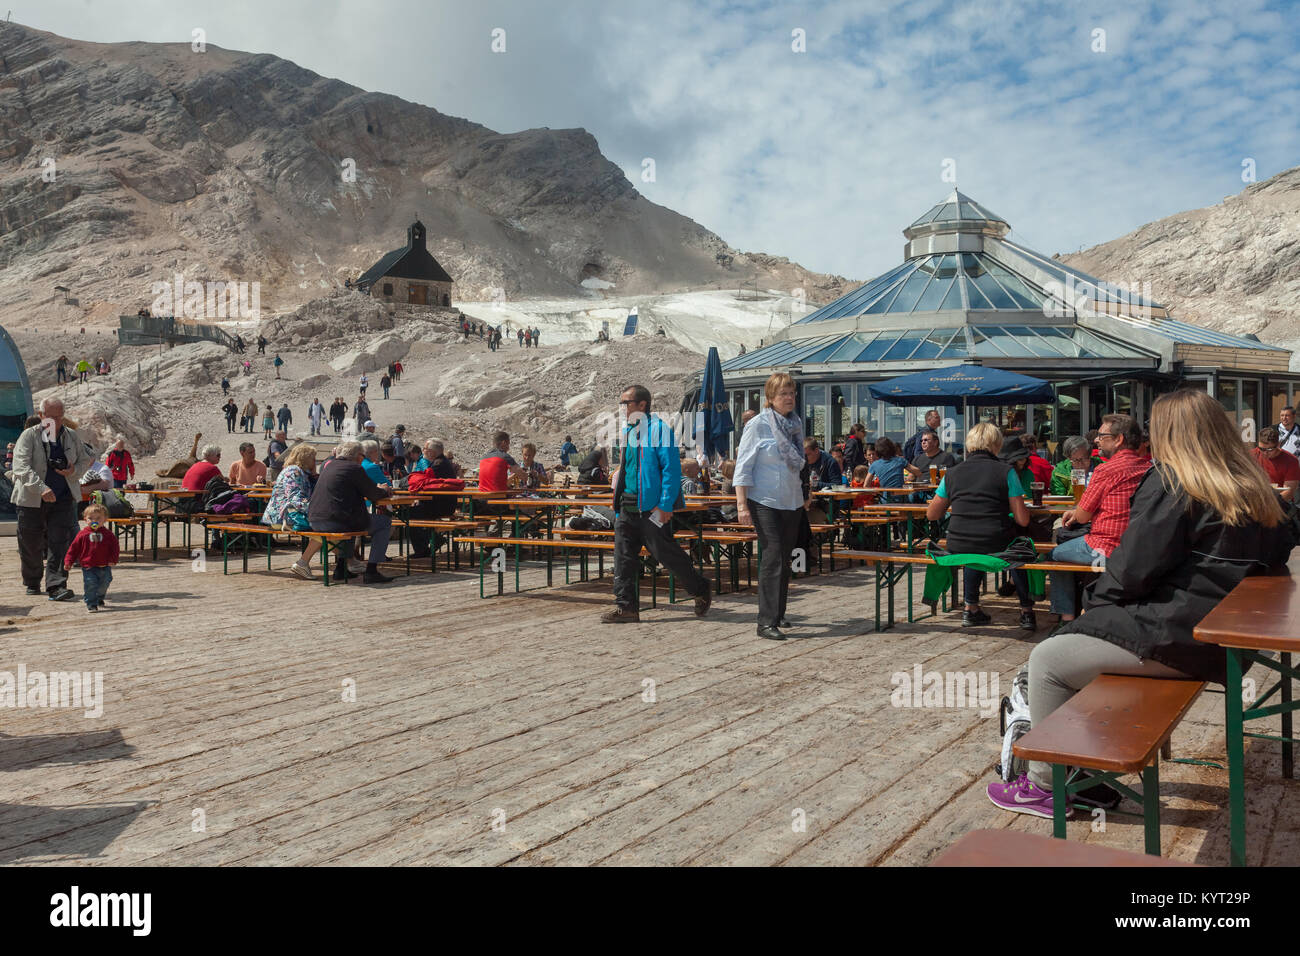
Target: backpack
x=1013, y=723
x=217, y=495
x=114, y=502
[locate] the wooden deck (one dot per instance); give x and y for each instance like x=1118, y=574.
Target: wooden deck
x=514, y=730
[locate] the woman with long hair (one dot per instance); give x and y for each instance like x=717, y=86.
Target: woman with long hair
x=287, y=507
x=1203, y=518
x=771, y=496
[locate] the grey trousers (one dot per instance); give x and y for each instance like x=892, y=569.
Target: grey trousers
x=44, y=536
x=1061, y=666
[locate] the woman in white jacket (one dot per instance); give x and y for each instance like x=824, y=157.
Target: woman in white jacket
x=769, y=496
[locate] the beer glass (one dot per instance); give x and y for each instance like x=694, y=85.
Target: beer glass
x=1078, y=482
x=934, y=474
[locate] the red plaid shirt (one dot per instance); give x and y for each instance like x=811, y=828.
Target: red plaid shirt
x=1107, y=497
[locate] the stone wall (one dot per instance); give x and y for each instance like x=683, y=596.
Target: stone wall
x=399, y=295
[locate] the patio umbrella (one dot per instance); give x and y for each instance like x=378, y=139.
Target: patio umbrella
x=956, y=384
x=713, y=414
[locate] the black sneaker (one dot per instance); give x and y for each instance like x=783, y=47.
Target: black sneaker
x=1027, y=621
x=375, y=577
x=703, y=601
x=34, y=592
x=1099, y=795
x=61, y=594
x=975, y=619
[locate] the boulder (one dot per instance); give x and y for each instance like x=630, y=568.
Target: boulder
x=374, y=356
x=106, y=408
x=314, y=381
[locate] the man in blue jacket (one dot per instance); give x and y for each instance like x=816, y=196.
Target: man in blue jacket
x=647, y=486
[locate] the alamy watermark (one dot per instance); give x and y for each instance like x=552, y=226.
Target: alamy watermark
x=57, y=689
x=206, y=300
x=1114, y=298
x=951, y=689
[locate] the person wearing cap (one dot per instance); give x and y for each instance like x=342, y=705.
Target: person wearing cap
x=367, y=432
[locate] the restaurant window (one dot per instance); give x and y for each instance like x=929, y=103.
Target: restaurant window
x=1279, y=397
x=1067, y=418
x=896, y=419
x=841, y=410
x=814, y=413
x=1240, y=399
x=868, y=412
x=388, y=288
x=1121, y=398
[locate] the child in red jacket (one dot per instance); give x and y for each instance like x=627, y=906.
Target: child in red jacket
x=95, y=549
x=120, y=463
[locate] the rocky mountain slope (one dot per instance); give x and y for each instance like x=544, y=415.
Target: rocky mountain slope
x=231, y=166
x=1233, y=267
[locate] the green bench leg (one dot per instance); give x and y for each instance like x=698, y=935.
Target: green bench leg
x=1236, y=759
x=1151, y=807
x=325, y=559
x=1060, y=800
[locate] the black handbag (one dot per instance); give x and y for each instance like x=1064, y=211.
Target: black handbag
x=1064, y=534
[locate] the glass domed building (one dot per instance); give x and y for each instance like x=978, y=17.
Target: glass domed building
x=966, y=293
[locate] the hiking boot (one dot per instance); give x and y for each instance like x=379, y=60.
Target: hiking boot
x=771, y=633
x=302, y=571
x=974, y=619
x=620, y=615
x=92, y=608
x=33, y=591
x=703, y=601
x=1028, y=622
x=375, y=577
x=61, y=594
x=1022, y=795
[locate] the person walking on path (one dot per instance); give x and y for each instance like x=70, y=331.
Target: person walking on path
x=537, y=335
x=231, y=410
x=261, y=344
x=83, y=370
x=361, y=410
x=386, y=383
x=119, y=462
x=770, y=496
x=61, y=369
x=567, y=450
x=519, y=334
x=284, y=417
x=277, y=363
x=250, y=415
x=365, y=383
x=48, y=459
x=647, y=486
x=268, y=422
x=397, y=371
x=314, y=415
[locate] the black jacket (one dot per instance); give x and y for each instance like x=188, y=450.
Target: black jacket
x=825, y=472
x=338, y=502
x=1171, y=568
x=853, y=454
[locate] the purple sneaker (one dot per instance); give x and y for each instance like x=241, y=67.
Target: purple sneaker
x=1022, y=795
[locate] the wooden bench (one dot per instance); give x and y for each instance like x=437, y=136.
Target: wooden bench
x=327, y=538
x=549, y=546
x=1015, y=848
x=891, y=565
x=1116, y=725
x=449, y=525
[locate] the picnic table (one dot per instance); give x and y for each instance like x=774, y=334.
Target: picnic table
x=1259, y=615
x=170, y=495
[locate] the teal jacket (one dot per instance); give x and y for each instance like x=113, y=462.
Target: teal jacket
x=659, y=466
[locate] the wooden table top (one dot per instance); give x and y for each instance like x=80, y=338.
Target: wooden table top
x=1262, y=613
x=167, y=492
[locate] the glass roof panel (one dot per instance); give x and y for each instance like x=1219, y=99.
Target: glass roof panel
x=956, y=348
x=947, y=213
x=975, y=296
x=903, y=348
x=912, y=288
x=848, y=350
x=820, y=355
x=933, y=343
x=994, y=292
x=878, y=348
x=953, y=299
x=993, y=341
x=1025, y=338
x=1019, y=290
x=933, y=294
x=968, y=211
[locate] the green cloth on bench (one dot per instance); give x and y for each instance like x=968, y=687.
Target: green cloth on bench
x=938, y=576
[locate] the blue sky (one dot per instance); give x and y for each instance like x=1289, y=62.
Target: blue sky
x=823, y=155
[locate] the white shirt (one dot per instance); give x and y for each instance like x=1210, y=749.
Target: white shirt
x=1289, y=441
x=762, y=470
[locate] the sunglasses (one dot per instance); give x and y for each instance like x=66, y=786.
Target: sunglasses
x=1268, y=449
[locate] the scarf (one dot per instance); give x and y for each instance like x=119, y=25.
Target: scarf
x=791, y=428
